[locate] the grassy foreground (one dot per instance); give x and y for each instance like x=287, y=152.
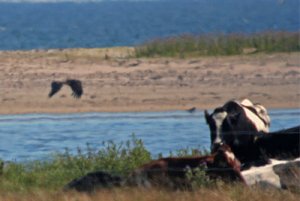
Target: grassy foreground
x=44, y=180
x=53, y=174
x=225, y=193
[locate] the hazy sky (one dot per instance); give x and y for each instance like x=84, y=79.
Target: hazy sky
x=67, y=0
x=47, y=0
x=64, y=0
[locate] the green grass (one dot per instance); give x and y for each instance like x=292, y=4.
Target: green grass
x=63, y=167
x=220, y=44
x=53, y=174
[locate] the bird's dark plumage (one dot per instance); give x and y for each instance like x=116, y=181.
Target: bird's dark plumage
x=55, y=87
x=75, y=85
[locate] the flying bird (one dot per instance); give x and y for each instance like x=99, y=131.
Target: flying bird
x=75, y=85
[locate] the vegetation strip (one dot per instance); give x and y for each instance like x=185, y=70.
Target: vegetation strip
x=220, y=44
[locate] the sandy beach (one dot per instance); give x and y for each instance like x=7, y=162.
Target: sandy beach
x=114, y=82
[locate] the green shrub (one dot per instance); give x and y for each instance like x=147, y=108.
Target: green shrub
x=198, y=178
x=63, y=167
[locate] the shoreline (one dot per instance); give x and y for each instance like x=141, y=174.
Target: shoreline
x=115, y=112
x=114, y=81
x=126, y=111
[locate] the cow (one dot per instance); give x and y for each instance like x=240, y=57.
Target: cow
x=237, y=124
x=172, y=171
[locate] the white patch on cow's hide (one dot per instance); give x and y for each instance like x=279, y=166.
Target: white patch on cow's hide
x=261, y=111
x=219, y=118
x=259, y=124
x=230, y=155
x=246, y=102
x=264, y=175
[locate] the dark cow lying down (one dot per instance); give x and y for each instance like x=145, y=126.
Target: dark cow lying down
x=170, y=172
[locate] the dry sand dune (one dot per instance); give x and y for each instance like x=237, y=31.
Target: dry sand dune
x=115, y=83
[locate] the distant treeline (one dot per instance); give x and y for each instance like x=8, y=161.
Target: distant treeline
x=220, y=44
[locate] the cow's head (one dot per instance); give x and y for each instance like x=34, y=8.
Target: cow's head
x=233, y=124
x=236, y=123
x=215, y=123
x=225, y=165
x=225, y=158
x=222, y=127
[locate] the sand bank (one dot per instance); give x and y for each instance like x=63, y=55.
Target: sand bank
x=113, y=82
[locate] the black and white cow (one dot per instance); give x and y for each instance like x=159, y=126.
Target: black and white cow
x=237, y=124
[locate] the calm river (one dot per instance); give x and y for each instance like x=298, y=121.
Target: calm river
x=36, y=136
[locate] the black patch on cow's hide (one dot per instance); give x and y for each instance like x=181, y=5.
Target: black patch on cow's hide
x=94, y=180
x=282, y=145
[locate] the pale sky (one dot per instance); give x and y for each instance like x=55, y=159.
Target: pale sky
x=43, y=1
x=48, y=0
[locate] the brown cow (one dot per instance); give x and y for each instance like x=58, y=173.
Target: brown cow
x=172, y=171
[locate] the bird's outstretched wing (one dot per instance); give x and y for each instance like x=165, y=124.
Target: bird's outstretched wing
x=76, y=87
x=55, y=87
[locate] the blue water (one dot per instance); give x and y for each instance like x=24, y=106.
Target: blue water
x=36, y=136
x=127, y=23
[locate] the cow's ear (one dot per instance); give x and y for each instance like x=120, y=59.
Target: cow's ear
x=207, y=116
